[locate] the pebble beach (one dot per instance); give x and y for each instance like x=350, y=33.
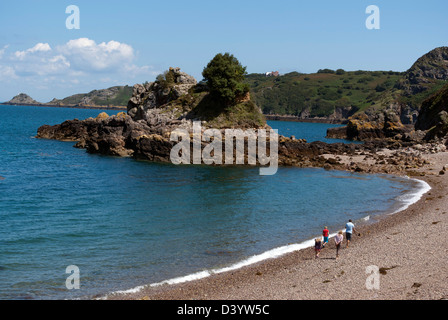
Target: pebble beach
x=404, y=254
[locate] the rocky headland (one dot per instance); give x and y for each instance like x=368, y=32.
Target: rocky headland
x=157, y=108
x=398, y=110
x=154, y=111
x=110, y=98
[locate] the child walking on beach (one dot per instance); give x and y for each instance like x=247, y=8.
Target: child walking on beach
x=338, y=241
x=317, y=246
x=325, y=234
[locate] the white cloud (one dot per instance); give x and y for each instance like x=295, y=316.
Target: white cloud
x=80, y=62
x=43, y=47
x=7, y=73
x=78, y=57
x=2, y=51
x=85, y=55
x=40, y=47
x=36, y=63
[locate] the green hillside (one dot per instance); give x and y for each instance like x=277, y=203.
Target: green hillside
x=320, y=93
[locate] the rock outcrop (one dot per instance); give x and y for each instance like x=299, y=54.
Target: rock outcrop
x=23, y=98
x=341, y=114
x=370, y=126
x=154, y=111
x=433, y=116
x=116, y=135
x=401, y=106
x=429, y=68
x=120, y=135
x=149, y=96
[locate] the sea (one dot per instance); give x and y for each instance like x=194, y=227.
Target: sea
x=75, y=225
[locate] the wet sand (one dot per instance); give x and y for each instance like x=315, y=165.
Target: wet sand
x=408, y=248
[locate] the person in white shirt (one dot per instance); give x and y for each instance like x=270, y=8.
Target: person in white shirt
x=349, y=229
x=338, y=241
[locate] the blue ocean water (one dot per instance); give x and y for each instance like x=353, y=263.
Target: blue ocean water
x=125, y=223
x=305, y=130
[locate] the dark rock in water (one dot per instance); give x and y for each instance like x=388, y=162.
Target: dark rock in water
x=375, y=126
x=337, y=133
x=117, y=135
x=371, y=125
x=71, y=130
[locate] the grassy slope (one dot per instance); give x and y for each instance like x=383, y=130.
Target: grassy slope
x=417, y=99
x=320, y=92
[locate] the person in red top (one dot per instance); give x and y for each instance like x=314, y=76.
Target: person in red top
x=325, y=233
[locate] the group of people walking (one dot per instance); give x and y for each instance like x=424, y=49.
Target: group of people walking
x=321, y=242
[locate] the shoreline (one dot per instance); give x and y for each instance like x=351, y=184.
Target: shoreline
x=269, y=277
x=273, y=253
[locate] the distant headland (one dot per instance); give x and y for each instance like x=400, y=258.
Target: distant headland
x=114, y=98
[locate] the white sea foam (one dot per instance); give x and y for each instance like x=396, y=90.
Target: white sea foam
x=410, y=198
x=270, y=254
x=407, y=200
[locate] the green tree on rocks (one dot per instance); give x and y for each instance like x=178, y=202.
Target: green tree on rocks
x=225, y=77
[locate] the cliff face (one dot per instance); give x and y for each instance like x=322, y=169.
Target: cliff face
x=149, y=97
x=402, y=105
x=424, y=77
x=427, y=70
x=433, y=115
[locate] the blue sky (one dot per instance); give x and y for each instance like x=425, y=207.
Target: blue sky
x=128, y=42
